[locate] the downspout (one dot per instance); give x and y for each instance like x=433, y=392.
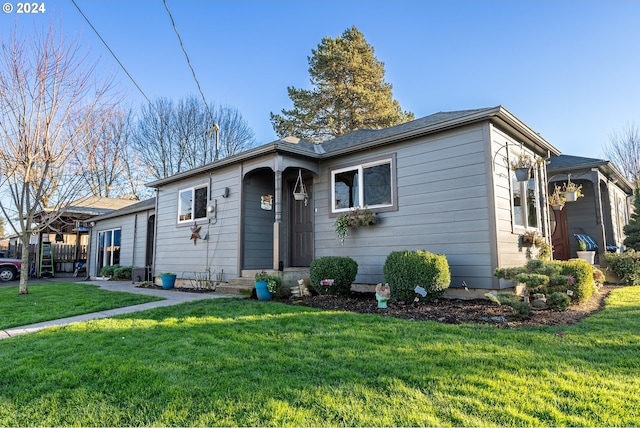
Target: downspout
x=602, y=238
x=88, y=264
x=135, y=235
x=278, y=213
x=155, y=235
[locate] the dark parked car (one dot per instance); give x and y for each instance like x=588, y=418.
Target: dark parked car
x=9, y=269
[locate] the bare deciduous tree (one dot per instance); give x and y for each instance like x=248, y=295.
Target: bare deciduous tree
x=48, y=97
x=108, y=166
x=172, y=138
x=623, y=150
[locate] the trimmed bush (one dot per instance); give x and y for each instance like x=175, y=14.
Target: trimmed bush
x=342, y=270
x=109, y=270
x=533, y=280
x=559, y=300
x=583, y=285
x=509, y=273
x=405, y=270
x=515, y=302
x=122, y=273
x=626, y=265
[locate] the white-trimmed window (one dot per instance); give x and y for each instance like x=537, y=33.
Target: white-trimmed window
x=367, y=185
x=192, y=204
x=108, y=252
x=525, y=201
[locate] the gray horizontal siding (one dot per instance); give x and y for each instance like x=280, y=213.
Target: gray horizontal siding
x=442, y=207
x=176, y=252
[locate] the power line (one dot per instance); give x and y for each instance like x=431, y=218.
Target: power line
x=193, y=72
x=112, y=53
x=215, y=126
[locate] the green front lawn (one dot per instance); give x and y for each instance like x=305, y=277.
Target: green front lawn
x=228, y=362
x=53, y=301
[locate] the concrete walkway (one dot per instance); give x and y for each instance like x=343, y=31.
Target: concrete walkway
x=172, y=297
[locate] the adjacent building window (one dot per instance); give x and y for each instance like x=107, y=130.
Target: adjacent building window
x=525, y=202
x=367, y=185
x=192, y=204
x=108, y=248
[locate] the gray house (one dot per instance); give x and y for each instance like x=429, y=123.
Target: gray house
x=441, y=183
x=601, y=213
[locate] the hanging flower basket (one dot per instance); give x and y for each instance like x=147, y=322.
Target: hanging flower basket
x=299, y=192
x=523, y=174
x=571, y=196
x=572, y=191
x=557, y=199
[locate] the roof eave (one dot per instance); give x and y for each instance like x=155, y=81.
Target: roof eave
x=498, y=114
x=270, y=148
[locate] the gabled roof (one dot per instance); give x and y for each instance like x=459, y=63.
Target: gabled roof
x=97, y=205
x=366, y=139
x=564, y=164
x=146, y=205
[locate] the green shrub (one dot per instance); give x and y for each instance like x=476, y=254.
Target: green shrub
x=509, y=273
x=625, y=265
x=533, y=280
x=342, y=270
x=559, y=300
x=405, y=270
x=515, y=302
x=109, y=270
x=122, y=273
x=582, y=283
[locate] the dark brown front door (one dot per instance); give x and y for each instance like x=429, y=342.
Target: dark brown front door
x=560, y=236
x=301, y=245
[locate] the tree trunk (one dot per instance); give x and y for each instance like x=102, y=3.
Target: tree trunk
x=24, y=272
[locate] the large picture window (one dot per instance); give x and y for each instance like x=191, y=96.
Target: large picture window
x=367, y=185
x=192, y=204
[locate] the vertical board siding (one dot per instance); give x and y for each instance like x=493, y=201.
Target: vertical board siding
x=442, y=208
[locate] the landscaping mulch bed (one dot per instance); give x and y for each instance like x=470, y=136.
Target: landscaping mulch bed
x=457, y=311
x=449, y=311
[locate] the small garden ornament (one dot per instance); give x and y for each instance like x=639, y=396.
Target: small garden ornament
x=383, y=293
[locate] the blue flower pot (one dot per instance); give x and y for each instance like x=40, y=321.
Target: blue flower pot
x=262, y=292
x=168, y=281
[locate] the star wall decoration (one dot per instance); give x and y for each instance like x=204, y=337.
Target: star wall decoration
x=195, y=234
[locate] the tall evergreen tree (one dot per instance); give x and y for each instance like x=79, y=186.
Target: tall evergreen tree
x=632, y=230
x=349, y=93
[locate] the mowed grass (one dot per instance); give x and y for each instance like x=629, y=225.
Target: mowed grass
x=52, y=301
x=231, y=362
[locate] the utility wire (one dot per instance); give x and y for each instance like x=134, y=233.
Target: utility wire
x=112, y=53
x=193, y=72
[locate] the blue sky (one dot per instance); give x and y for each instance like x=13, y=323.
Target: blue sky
x=568, y=69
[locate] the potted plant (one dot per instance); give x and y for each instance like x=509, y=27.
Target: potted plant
x=266, y=285
x=522, y=167
x=557, y=199
x=529, y=238
x=168, y=280
x=589, y=256
x=572, y=191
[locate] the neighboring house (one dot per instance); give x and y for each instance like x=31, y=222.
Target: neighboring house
x=601, y=213
x=441, y=183
x=66, y=236
x=123, y=237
